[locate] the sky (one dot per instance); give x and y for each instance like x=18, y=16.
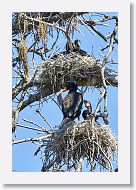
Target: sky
x=23, y=159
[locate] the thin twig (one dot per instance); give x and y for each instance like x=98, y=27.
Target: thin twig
x=28, y=121
x=105, y=156
x=45, y=119
x=32, y=139
x=41, y=130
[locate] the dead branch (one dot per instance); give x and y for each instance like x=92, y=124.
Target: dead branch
x=33, y=123
x=103, y=73
x=15, y=112
x=38, y=111
x=79, y=166
x=35, y=129
x=40, y=139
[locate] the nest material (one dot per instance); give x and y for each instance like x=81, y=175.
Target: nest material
x=97, y=144
x=63, y=67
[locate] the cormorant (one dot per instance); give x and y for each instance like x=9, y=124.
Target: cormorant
x=87, y=113
x=77, y=48
x=72, y=103
x=77, y=44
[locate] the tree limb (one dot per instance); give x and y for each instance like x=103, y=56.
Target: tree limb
x=32, y=139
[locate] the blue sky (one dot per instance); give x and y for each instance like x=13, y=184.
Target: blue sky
x=23, y=158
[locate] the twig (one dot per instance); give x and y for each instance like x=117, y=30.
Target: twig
x=20, y=86
x=15, y=112
x=45, y=119
x=99, y=33
x=41, y=130
x=55, y=102
x=32, y=139
x=102, y=72
x=43, y=22
x=28, y=121
x=79, y=166
x=86, y=26
x=105, y=156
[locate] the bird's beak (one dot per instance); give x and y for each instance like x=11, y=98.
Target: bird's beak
x=62, y=90
x=58, y=93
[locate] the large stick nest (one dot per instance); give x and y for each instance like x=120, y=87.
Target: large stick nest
x=85, y=70
x=93, y=142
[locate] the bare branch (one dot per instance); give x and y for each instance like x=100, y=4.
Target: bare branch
x=79, y=166
x=35, y=129
x=45, y=119
x=111, y=168
x=40, y=139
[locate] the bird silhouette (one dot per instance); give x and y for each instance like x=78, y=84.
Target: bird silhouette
x=72, y=103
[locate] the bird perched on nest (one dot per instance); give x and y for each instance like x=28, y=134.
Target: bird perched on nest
x=77, y=44
x=72, y=103
x=77, y=48
x=72, y=47
x=88, y=112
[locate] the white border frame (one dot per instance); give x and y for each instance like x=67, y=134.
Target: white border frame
x=121, y=177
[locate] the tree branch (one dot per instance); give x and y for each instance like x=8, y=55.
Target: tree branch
x=35, y=129
x=32, y=139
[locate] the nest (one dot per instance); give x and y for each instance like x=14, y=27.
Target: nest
x=94, y=143
x=64, y=67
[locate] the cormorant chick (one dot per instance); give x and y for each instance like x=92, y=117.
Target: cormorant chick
x=87, y=113
x=77, y=44
x=77, y=48
x=72, y=103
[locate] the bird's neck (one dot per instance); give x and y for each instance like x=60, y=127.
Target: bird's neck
x=89, y=109
x=77, y=48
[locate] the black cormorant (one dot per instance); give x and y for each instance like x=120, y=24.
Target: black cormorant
x=72, y=103
x=77, y=44
x=87, y=113
x=77, y=48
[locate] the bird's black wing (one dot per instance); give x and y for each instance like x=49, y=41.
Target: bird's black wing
x=72, y=105
x=83, y=53
x=67, y=103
